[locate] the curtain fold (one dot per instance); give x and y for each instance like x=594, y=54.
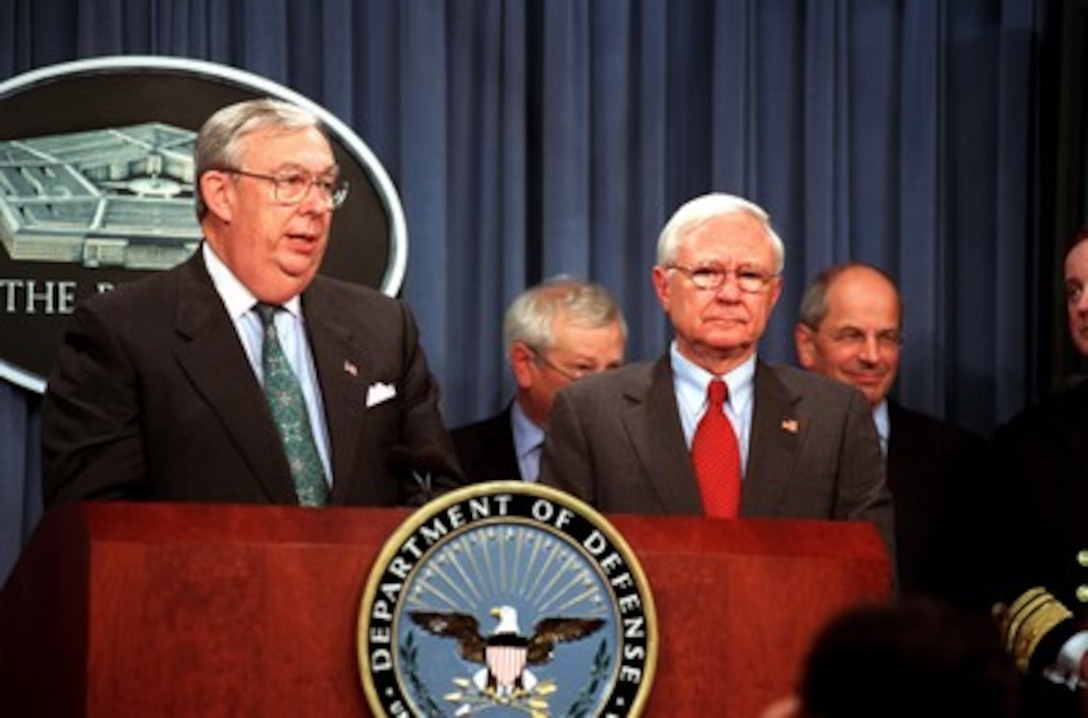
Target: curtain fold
x=20, y=471
x=534, y=138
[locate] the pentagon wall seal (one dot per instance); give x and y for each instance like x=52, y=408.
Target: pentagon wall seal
x=97, y=184
x=510, y=599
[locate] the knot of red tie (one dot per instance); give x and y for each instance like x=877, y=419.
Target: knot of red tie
x=718, y=391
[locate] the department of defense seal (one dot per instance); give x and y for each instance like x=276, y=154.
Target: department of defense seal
x=508, y=598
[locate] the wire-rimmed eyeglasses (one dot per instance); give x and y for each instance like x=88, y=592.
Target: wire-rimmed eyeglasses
x=539, y=357
x=293, y=187
x=712, y=277
x=853, y=338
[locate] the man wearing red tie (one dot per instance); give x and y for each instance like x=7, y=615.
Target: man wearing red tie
x=783, y=442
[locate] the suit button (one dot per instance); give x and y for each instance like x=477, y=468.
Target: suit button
x=1082, y=593
x=1082, y=557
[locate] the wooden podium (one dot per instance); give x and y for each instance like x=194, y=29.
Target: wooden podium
x=121, y=609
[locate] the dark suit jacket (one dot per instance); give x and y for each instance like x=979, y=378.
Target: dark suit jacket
x=152, y=397
x=1040, y=523
x=486, y=450
x=615, y=441
x=934, y=472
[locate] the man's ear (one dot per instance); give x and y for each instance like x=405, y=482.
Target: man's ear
x=521, y=364
x=660, y=278
x=804, y=341
x=217, y=189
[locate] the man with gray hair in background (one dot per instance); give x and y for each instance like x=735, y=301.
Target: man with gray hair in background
x=553, y=334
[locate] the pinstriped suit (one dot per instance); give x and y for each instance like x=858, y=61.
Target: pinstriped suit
x=615, y=441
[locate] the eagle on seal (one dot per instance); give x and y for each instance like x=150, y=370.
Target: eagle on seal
x=505, y=653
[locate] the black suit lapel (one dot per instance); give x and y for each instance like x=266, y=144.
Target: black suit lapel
x=903, y=447
x=490, y=449
x=216, y=364
x=343, y=371
x=503, y=451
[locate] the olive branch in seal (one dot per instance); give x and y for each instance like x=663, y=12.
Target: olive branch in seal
x=582, y=704
x=409, y=652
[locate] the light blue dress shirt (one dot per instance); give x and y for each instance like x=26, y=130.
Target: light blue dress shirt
x=690, y=384
x=528, y=440
x=883, y=425
x=290, y=325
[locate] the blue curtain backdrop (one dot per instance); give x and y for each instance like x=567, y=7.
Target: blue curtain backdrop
x=529, y=138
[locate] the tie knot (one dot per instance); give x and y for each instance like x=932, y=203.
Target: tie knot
x=717, y=392
x=267, y=313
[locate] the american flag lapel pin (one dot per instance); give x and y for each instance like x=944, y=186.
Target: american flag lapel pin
x=350, y=368
x=790, y=425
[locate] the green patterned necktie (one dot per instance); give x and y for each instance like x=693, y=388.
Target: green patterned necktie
x=284, y=395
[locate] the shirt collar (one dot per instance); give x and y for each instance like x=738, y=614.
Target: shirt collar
x=236, y=296
x=527, y=435
x=691, y=381
x=883, y=423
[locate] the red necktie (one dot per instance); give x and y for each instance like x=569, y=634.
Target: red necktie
x=716, y=456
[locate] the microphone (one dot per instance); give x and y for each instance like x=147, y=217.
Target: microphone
x=425, y=465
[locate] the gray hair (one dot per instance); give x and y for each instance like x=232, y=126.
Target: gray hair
x=708, y=206
x=529, y=317
x=814, y=301
x=217, y=144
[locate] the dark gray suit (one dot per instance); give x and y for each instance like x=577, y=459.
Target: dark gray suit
x=152, y=397
x=615, y=441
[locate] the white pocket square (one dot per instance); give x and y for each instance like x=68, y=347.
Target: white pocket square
x=378, y=392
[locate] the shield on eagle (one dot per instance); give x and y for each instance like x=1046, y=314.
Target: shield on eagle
x=506, y=663
x=575, y=632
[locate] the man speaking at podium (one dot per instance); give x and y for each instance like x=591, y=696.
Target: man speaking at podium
x=241, y=376
x=709, y=428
